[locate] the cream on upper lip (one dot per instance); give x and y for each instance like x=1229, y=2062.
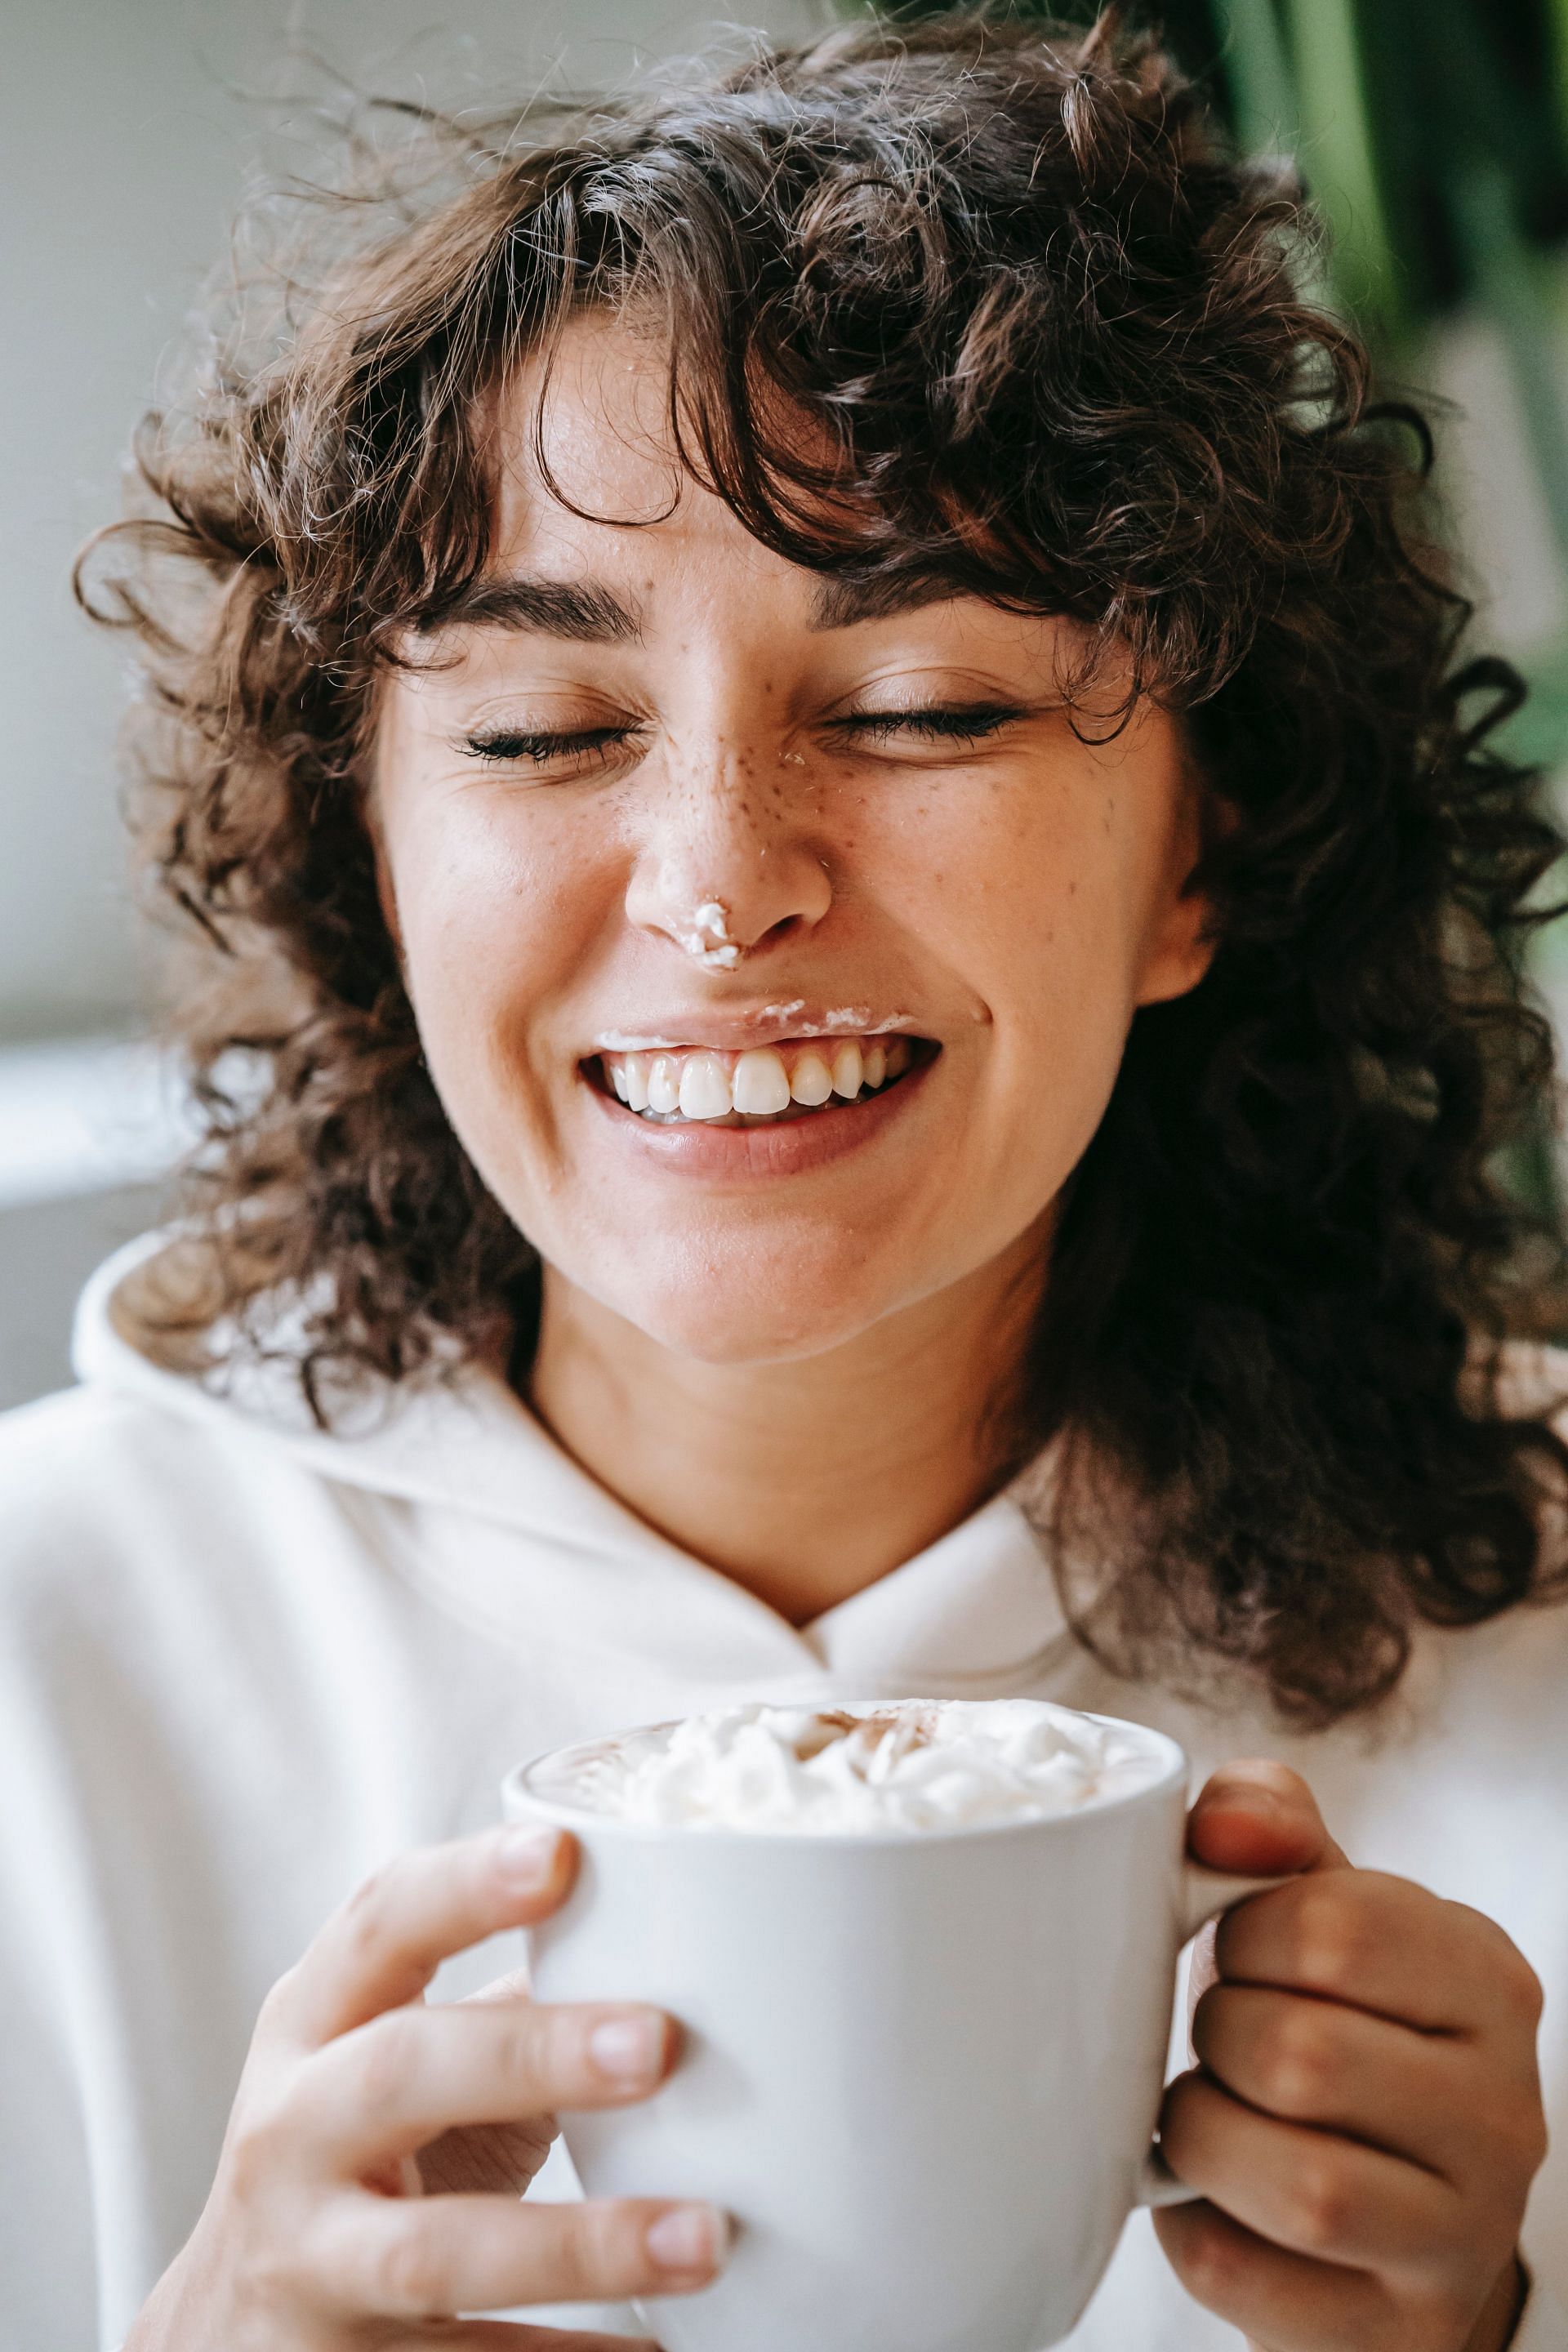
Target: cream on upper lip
x=769, y=1024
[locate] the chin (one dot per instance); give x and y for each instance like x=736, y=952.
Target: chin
x=739, y=1323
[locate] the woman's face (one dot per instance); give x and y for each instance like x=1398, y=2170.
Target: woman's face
x=657, y=800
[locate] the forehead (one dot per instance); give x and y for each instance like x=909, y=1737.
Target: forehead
x=590, y=485
x=595, y=410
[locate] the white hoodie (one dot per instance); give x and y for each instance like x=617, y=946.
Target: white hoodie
x=242, y=1662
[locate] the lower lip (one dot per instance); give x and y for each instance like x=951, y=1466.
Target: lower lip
x=743, y=1154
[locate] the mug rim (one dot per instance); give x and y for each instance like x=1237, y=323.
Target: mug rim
x=516, y=1790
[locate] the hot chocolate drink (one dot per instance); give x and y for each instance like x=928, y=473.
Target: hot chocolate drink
x=923, y=1956
x=916, y=1765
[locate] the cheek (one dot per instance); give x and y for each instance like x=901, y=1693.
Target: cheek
x=496, y=922
x=470, y=893
x=1036, y=909
x=1037, y=901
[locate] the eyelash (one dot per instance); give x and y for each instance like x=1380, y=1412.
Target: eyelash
x=505, y=746
x=938, y=724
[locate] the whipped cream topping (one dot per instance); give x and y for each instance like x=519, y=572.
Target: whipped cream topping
x=926, y=1764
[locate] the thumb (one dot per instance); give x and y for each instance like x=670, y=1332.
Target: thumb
x=1257, y=1815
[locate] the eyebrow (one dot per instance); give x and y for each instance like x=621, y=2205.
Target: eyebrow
x=590, y=614
x=840, y=604
x=584, y=610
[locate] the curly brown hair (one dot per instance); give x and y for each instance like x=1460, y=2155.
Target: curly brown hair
x=991, y=304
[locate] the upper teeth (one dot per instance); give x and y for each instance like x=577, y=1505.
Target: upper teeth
x=759, y=1084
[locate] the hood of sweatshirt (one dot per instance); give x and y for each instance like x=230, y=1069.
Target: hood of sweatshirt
x=490, y=1494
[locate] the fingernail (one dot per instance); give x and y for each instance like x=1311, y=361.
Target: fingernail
x=1244, y=1797
x=629, y=2048
x=688, y=2238
x=527, y=1857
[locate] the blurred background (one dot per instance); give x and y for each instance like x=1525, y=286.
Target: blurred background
x=1432, y=133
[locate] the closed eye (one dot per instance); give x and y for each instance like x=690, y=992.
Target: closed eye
x=501, y=745
x=967, y=723
x=938, y=723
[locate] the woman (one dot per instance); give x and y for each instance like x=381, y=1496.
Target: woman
x=862, y=997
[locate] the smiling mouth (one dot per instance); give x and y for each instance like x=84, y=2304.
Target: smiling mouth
x=767, y=1085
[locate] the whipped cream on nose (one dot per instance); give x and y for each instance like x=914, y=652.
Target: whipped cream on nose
x=919, y=1765
x=706, y=937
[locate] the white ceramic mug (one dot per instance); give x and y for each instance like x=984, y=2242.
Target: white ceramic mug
x=922, y=2070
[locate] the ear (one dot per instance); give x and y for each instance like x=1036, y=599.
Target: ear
x=1182, y=942
x=1181, y=952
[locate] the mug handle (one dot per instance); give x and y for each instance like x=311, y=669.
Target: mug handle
x=1205, y=1893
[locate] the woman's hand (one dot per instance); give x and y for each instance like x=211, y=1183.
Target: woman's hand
x=1366, y=2118
x=370, y=2179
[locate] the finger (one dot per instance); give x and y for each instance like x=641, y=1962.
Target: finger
x=517, y=1984
x=398, y=2082
x=509, y=2336
x=517, y=2335
x=571, y=2339
x=1311, y=2192
x=429, y=2258
x=1257, y=1815
x=1381, y=1944
x=1316, y=2062
x=506, y=2156
x=1290, y=2302
x=382, y=1947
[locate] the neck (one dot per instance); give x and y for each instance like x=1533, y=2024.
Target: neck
x=808, y=1480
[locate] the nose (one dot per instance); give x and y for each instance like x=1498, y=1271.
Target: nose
x=730, y=861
